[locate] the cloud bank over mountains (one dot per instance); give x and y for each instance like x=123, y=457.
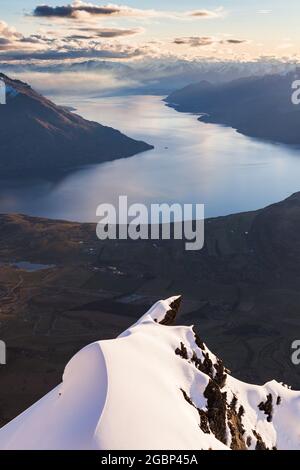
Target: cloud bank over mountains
x=100, y=77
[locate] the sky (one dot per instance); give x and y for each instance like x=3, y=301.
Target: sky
x=224, y=30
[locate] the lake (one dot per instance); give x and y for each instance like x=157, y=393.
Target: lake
x=192, y=162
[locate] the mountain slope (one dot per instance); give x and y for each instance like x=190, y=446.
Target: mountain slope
x=36, y=135
x=256, y=106
x=172, y=390
x=242, y=291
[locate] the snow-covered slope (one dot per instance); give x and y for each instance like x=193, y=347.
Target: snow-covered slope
x=157, y=386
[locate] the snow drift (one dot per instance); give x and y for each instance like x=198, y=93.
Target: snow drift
x=156, y=387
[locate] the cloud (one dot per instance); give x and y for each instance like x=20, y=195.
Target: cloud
x=218, y=12
x=79, y=83
x=204, y=41
x=8, y=32
x=108, y=52
x=195, y=41
x=234, y=41
x=85, y=43
x=37, y=39
x=285, y=45
x=4, y=41
x=9, y=37
x=79, y=10
x=11, y=41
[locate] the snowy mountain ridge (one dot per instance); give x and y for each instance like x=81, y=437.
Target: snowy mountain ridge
x=157, y=386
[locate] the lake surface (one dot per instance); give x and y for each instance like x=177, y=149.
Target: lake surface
x=192, y=162
x=29, y=267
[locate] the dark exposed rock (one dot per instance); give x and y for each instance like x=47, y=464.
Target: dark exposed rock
x=182, y=351
x=234, y=420
x=171, y=314
x=216, y=410
x=237, y=430
x=241, y=411
x=267, y=407
x=220, y=376
x=233, y=403
x=195, y=360
x=218, y=414
x=260, y=445
x=278, y=401
x=207, y=365
x=187, y=398
x=204, y=423
x=198, y=340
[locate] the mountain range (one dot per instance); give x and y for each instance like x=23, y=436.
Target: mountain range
x=258, y=107
x=157, y=387
x=38, y=136
x=241, y=291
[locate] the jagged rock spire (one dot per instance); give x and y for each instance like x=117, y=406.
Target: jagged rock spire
x=171, y=314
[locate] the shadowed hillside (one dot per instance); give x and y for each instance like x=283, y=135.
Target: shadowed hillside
x=256, y=106
x=37, y=136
